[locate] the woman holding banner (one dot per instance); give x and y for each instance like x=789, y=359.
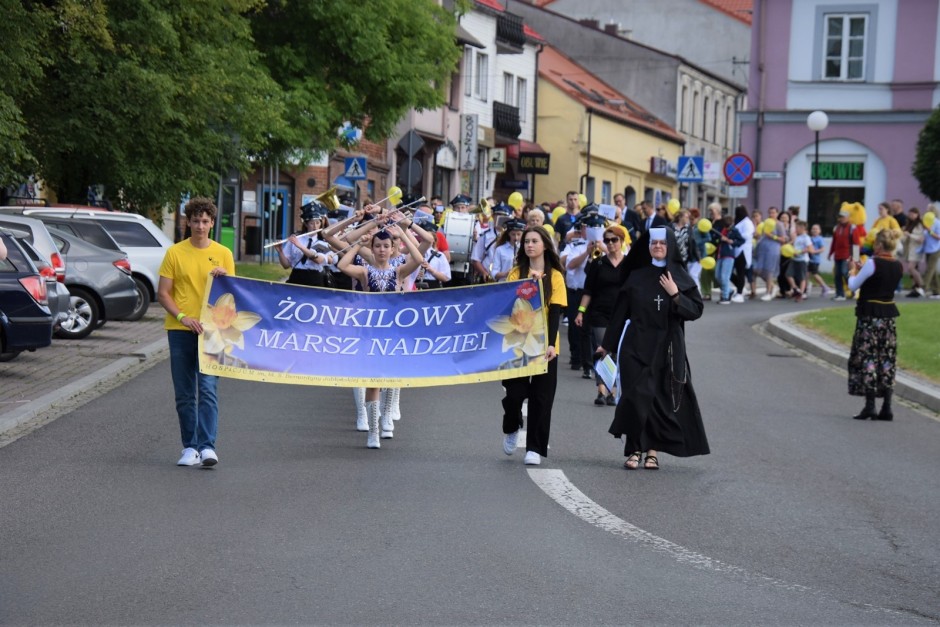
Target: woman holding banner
x=381, y=276
x=536, y=259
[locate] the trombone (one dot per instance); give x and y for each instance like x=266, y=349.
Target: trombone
x=328, y=199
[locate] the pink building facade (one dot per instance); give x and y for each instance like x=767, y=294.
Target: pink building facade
x=872, y=66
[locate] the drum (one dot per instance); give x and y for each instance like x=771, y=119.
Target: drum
x=458, y=229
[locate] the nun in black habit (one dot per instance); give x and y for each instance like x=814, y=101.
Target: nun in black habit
x=657, y=410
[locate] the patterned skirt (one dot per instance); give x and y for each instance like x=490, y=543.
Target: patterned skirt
x=873, y=358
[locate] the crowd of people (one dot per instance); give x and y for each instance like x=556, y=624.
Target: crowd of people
x=606, y=272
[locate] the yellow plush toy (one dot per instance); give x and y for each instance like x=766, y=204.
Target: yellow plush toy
x=857, y=214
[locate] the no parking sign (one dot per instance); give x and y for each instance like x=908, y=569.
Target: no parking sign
x=738, y=169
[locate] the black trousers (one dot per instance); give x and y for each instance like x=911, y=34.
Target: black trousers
x=579, y=338
x=310, y=278
x=540, y=390
x=739, y=273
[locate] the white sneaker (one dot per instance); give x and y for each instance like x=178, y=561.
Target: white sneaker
x=362, y=423
x=737, y=298
x=209, y=458
x=767, y=297
x=532, y=458
x=509, y=442
x=190, y=457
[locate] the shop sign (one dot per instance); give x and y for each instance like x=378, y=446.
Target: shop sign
x=533, y=162
x=838, y=171
x=469, y=123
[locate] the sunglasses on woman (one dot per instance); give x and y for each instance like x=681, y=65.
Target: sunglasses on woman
x=611, y=240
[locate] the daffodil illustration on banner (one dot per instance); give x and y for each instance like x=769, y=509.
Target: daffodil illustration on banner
x=224, y=330
x=523, y=330
x=274, y=332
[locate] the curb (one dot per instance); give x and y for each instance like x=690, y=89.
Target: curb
x=905, y=385
x=13, y=420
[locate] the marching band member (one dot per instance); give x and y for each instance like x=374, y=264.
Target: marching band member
x=574, y=258
x=380, y=276
x=507, y=247
x=308, y=256
x=484, y=247
x=435, y=271
x=536, y=259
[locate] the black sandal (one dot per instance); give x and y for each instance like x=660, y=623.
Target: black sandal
x=651, y=459
x=633, y=458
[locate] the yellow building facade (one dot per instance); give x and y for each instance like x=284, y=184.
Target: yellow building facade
x=599, y=141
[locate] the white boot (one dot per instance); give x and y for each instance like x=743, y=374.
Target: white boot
x=362, y=421
x=387, y=425
x=372, y=409
x=395, y=393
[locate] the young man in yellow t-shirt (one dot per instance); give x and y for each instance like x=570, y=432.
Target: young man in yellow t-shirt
x=181, y=290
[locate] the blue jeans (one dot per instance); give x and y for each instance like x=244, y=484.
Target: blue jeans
x=196, y=401
x=840, y=272
x=723, y=272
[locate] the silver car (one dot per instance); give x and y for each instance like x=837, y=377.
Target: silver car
x=100, y=284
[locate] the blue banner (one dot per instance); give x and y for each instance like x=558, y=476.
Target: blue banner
x=264, y=331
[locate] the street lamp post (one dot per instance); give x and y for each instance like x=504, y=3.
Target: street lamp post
x=817, y=121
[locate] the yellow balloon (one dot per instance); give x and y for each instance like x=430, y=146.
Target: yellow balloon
x=557, y=213
x=394, y=194
x=709, y=248
x=787, y=250
x=582, y=201
x=928, y=219
x=708, y=263
x=704, y=225
x=770, y=225
x=548, y=229
x=673, y=206
x=515, y=200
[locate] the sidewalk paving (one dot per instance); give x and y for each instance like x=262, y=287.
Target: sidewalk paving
x=38, y=387
x=55, y=380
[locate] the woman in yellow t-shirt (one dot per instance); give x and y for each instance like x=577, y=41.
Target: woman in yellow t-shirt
x=536, y=259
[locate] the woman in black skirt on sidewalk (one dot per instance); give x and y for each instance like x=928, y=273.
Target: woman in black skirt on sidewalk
x=873, y=358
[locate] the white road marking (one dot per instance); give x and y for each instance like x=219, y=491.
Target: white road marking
x=556, y=485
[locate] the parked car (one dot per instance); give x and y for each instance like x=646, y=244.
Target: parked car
x=100, y=284
x=142, y=240
x=57, y=294
x=38, y=235
x=94, y=233
x=25, y=319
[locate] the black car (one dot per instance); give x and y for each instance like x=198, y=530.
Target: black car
x=100, y=284
x=25, y=319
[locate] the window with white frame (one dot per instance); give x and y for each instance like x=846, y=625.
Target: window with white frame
x=845, y=43
x=482, y=76
x=683, y=109
x=509, y=85
x=605, y=192
x=522, y=97
x=468, y=71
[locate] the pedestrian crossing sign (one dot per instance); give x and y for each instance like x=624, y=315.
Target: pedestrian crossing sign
x=691, y=169
x=355, y=168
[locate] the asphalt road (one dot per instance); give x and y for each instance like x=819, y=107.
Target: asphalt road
x=799, y=515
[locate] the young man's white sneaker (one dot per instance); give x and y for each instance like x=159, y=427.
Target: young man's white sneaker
x=532, y=458
x=737, y=298
x=209, y=458
x=767, y=297
x=509, y=442
x=190, y=457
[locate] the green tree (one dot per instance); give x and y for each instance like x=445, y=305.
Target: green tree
x=21, y=34
x=926, y=168
x=154, y=97
x=363, y=61
x=149, y=98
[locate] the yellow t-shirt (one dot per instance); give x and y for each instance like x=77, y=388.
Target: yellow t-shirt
x=189, y=268
x=559, y=296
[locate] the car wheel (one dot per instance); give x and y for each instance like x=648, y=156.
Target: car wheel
x=143, y=301
x=82, y=318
